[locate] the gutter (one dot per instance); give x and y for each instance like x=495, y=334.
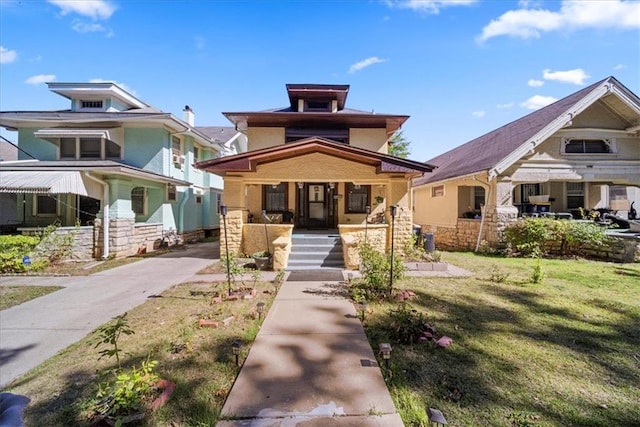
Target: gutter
x=105, y=214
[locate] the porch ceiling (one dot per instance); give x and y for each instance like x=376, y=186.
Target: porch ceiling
x=248, y=162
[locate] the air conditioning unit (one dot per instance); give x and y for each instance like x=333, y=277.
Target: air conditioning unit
x=177, y=159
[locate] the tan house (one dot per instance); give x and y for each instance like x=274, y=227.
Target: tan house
x=315, y=169
x=578, y=154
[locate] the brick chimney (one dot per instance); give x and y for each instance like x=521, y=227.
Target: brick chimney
x=188, y=116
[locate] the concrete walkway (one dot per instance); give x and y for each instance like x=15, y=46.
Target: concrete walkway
x=32, y=332
x=310, y=361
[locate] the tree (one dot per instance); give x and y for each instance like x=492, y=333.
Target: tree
x=399, y=145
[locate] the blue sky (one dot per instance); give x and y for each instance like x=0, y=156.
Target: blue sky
x=459, y=68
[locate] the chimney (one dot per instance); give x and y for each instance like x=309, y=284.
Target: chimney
x=188, y=116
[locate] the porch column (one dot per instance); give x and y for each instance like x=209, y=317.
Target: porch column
x=121, y=217
x=398, y=194
x=233, y=198
x=499, y=211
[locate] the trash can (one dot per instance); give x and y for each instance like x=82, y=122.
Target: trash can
x=416, y=232
x=429, y=242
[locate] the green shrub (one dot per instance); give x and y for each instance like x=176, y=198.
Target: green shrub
x=405, y=324
x=376, y=269
x=12, y=251
x=533, y=236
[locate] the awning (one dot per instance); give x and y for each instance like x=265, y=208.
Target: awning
x=116, y=134
x=42, y=182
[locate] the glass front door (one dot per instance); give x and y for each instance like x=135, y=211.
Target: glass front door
x=315, y=205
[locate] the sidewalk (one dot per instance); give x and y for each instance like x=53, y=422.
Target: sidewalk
x=32, y=332
x=310, y=365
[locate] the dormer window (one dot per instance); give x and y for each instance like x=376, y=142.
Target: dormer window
x=91, y=104
x=317, y=106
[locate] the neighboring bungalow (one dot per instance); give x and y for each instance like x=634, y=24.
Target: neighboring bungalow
x=113, y=159
x=578, y=154
x=315, y=165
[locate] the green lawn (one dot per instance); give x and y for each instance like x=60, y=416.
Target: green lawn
x=565, y=352
x=14, y=295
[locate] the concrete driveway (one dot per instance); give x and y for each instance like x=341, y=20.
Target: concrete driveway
x=32, y=332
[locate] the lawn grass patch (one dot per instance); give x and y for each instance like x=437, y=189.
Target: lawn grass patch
x=560, y=353
x=198, y=360
x=15, y=295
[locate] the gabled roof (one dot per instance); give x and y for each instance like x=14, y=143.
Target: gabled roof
x=501, y=148
x=248, y=161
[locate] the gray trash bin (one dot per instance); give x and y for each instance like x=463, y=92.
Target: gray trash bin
x=429, y=242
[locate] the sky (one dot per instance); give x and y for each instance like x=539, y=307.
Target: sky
x=458, y=68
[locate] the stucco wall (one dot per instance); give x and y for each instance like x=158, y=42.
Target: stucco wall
x=263, y=137
x=369, y=139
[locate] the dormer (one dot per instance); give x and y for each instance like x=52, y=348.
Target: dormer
x=317, y=98
x=98, y=97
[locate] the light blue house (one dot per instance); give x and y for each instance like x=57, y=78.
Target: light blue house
x=113, y=159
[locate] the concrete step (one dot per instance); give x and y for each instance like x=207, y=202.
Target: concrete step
x=299, y=256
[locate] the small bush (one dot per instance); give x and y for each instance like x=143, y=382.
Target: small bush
x=376, y=269
x=405, y=324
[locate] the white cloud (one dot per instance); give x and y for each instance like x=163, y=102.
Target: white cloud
x=365, y=63
x=535, y=83
x=504, y=106
x=122, y=85
x=530, y=23
x=431, y=7
x=7, y=56
x=40, y=78
x=96, y=9
x=538, y=101
x=619, y=67
x=83, y=27
x=478, y=114
x=577, y=76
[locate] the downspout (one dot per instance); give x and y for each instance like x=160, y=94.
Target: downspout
x=105, y=214
x=183, y=202
x=484, y=209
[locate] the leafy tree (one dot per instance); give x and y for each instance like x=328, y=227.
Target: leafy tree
x=399, y=145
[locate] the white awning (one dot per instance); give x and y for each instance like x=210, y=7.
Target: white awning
x=42, y=182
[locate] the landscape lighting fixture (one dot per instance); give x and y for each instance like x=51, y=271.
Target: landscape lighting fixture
x=260, y=309
x=435, y=417
x=223, y=212
x=235, y=348
x=362, y=308
x=385, y=350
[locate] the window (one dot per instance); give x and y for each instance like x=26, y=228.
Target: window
x=296, y=133
x=93, y=104
x=478, y=197
x=587, y=146
x=437, y=191
x=67, y=148
x=172, y=193
x=357, y=198
x=89, y=148
x=275, y=197
x=111, y=150
x=196, y=154
x=575, y=195
x=46, y=205
x=199, y=199
x=529, y=190
x=138, y=200
x=317, y=106
x=176, y=146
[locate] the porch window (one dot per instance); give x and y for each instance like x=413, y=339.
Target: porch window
x=45, y=205
x=67, y=148
x=530, y=190
x=274, y=197
x=575, y=195
x=90, y=148
x=358, y=197
x=138, y=200
x=478, y=197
